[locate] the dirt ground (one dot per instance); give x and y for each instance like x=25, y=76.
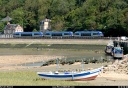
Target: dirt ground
x=9, y=63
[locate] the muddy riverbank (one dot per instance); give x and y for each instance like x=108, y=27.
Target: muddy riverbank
x=55, y=41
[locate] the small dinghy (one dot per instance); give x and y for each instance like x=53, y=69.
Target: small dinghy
x=75, y=76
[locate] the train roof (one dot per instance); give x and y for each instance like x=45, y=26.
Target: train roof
x=27, y=32
x=88, y=31
x=59, y=32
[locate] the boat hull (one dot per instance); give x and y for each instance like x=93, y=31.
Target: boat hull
x=75, y=76
x=108, y=49
x=118, y=55
x=86, y=79
x=117, y=52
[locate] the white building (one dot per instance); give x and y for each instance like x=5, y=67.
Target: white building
x=45, y=25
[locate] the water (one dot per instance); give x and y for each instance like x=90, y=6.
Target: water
x=32, y=64
x=89, y=53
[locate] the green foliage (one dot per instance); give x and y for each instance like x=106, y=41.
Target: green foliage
x=34, y=30
x=71, y=62
x=86, y=61
x=105, y=15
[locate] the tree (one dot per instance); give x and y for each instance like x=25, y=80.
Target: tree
x=105, y=15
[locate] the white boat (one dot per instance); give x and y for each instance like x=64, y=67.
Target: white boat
x=75, y=76
x=117, y=52
x=83, y=75
x=109, y=47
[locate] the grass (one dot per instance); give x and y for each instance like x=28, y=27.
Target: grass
x=54, y=41
x=30, y=78
x=54, y=46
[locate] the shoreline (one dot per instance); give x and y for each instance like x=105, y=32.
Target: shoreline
x=55, y=41
x=109, y=78
x=9, y=63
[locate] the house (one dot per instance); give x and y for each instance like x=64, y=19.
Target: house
x=12, y=28
x=45, y=25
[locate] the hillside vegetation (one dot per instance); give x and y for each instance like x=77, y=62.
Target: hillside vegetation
x=72, y=15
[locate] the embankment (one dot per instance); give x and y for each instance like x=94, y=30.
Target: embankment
x=54, y=41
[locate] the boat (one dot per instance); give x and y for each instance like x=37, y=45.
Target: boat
x=109, y=47
x=71, y=76
x=74, y=76
x=117, y=52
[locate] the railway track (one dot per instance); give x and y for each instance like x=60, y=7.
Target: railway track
x=59, y=37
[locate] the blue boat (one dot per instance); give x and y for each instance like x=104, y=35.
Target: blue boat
x=117, y=52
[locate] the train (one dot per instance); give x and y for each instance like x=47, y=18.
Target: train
x=27, y=34
x=63, y=34
x=59, y=34
x=89, y=33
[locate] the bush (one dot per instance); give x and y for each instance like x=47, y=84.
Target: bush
x=51, y=61
x=71, y=62
x=45, y=64
x=104, y=60
x=98, y=61
x=63, y=62
x=94, y=61
x=77, y=60
x=86, y=61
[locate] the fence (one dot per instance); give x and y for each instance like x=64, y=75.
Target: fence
x=2, y=36
x=6, y=36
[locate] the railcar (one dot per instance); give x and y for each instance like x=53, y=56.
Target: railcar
x=62, y=34
x=88, y=33
x=27, y=34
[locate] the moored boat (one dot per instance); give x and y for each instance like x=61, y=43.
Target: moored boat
x=117, y=52
x=109, y=47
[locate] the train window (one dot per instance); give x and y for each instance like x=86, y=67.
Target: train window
x=37, y=34
x=100, y=33
x=85, y=34
x=56, y=34
x=95, y=33
x=16, y=34
x=76, y=33
x=66, y=33
x=47, y=33
x=26, y=34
